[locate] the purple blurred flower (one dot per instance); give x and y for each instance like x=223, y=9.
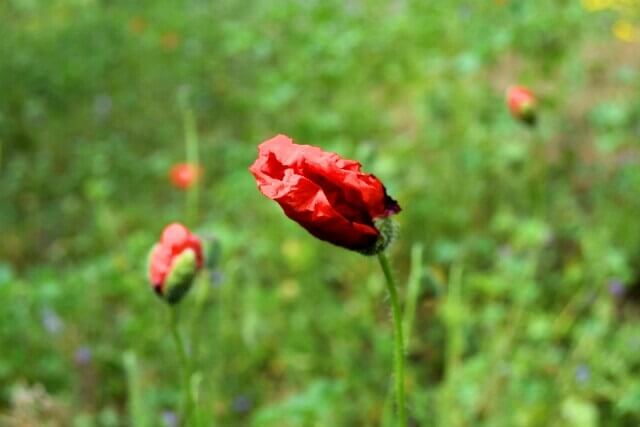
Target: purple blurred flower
x=583, y=374
x=217, y=278
x=617, y=288
x=102, y=106
x=51, y=321
x=83, y=355
x=170, y=418
x=505, y=251
x=242, y=404
x=464, y=12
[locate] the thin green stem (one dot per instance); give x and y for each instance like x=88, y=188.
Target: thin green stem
x=453, y=317
x=193, y=158
x=188, y=403
x=398, y=340
x=138, y=415
x=539, y=179
x=201, y=293
x=413, y=289
x=455, y=313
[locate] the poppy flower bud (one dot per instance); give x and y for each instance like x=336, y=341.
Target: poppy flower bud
x=184, y=175
x=174, y=262
x=327, y=195
x=522, y=104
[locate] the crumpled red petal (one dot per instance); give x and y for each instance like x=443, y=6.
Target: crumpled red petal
x=327, y=195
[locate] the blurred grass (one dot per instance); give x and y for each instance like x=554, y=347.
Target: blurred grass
x=537, y=224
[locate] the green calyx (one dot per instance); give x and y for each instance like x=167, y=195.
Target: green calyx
x=388, y=232
x=180, y=278
x=528, y=113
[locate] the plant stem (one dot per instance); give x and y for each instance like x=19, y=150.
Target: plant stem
x=539, y=179
x=193, y=158
x=138, y=416
x=453, y=317
x=185, y=367
x=413, y=289
x=398, y=339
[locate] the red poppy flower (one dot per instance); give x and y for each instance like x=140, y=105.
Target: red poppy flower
x=522, y=103
x=174, y=261
x=327, y=195
x=184, y=175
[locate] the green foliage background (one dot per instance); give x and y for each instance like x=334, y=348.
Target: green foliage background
x=515, y=234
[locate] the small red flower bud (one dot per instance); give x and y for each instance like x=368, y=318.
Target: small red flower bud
x=522, y=104
x=327, y=195
x=184, y=175
x=174, y=262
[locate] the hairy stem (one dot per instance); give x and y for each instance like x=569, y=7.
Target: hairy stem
x=398, y=340
x=188, y=403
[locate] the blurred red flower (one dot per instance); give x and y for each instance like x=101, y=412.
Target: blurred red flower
x=184, y=175
x=327, y=195
x=522, y=103
x=170, y=41
x=175, y=242
x=137, y=25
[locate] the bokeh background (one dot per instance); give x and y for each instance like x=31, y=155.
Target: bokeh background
x=519, y=253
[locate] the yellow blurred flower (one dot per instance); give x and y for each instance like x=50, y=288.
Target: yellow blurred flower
x=288, y=290
x=291, y=249
x=595, y=5
x=625, y=31
x=627, y=4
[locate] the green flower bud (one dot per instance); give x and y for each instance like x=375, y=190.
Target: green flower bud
x=180, y=278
